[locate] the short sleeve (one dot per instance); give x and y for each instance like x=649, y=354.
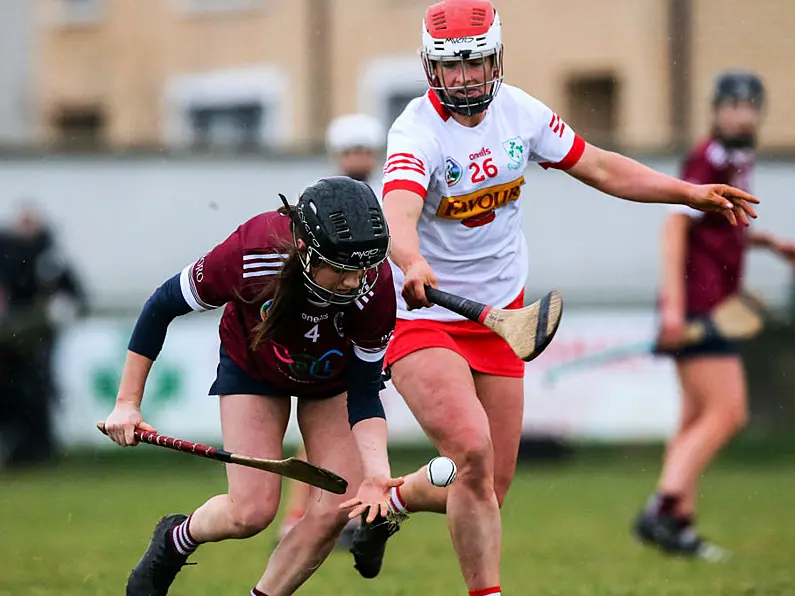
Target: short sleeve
x=553, y=143
x=216, y=278
x=374, y=317
x=409, y=161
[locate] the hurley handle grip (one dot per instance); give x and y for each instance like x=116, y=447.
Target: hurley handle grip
x=465, y=307
x=153, y=438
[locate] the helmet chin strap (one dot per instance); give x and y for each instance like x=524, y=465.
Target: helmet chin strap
x=740, y=141
x=468, y=107
x=324, y=294
x=332, y=297
x=359, y=175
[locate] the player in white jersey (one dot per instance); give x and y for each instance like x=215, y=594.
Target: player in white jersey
x=452, y=184
x=356, y=143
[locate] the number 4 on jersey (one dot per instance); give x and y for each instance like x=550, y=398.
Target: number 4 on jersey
x=313, y=334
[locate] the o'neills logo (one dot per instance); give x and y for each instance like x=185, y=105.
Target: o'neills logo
x=484, y=151
x=481, y=201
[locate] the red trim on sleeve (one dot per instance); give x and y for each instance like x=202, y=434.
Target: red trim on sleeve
x=408, y=168
x=572, y=157
x=409, y=185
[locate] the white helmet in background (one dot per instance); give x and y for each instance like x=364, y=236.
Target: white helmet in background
x=458, y=31
x=355, y=131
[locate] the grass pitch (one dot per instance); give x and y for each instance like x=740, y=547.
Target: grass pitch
x=78, y=528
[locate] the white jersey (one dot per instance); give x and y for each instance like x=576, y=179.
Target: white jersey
x=471, y=179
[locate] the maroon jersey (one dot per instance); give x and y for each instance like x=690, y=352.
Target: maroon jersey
x=313, y=358
x=715, y=248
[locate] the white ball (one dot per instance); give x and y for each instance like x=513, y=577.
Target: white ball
x=441, y=471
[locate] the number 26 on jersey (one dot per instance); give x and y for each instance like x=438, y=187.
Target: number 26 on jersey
x=481, y=172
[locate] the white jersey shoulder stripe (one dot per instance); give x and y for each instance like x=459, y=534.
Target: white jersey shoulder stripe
x=189, y=291
x=274, y=256
x=260, y=273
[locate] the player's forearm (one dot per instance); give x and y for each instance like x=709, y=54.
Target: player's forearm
x=761, y=240
x=371, y=439
x=674, y=251
x=133, y=379
x=628, y=179
x=402, y=219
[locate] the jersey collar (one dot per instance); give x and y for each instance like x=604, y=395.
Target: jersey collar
x=443, y=112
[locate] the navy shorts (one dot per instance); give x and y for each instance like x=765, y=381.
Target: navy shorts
x=710, y=346
x=233, y=380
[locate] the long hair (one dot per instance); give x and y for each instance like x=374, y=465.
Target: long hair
x=287, y=293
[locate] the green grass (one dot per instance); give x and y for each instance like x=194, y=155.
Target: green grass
x=78, y=529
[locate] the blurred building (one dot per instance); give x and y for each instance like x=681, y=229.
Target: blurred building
x=17, y=113
x=271, y=73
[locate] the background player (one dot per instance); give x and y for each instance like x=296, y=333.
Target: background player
x=356, y=143
x=702, y=265
x=309, y=310
x=452, y=182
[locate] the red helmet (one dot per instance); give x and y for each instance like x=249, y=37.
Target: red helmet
x=459, y=31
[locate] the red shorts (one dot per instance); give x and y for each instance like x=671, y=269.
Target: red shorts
x=484, y=350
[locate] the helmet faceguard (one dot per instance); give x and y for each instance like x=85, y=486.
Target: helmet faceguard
x=342, y=226
x=312, y=258
x=734, y=87
x=738, y=86
x=460, y=32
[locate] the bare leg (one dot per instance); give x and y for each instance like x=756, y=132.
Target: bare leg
x=297, y=499
x=253, y=425
x=691, y=409
x=440, y=391
x=329, y=443
x=503, y=401
x=719, y=383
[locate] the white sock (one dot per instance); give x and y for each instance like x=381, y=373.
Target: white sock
x=396, y=503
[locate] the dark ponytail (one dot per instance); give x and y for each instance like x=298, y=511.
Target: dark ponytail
x=287, y=292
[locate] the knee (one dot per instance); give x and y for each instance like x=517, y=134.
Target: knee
x=473, y=454
x=502, y=482
x=737, y=417
x=250, y=518
x=326, y=518
x=730, y=418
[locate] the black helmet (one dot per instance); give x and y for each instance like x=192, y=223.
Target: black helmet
x=341, y=222
x=738, y=86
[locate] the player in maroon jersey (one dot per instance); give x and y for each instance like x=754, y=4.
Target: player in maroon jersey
x=309, y=310
x=703, y=265
x=354, y=141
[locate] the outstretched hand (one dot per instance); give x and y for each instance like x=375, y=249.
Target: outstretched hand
x=372, y=497
x=735, y=204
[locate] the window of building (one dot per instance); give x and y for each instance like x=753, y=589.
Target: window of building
x=396, y=102
x=593, y=108
x=80, y=12
x=388, y=84
x=79, y=127
x=232, y=126
x=220, y=6
x=239, y=109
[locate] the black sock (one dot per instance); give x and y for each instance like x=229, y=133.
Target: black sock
x=684, y=521
x=666, y=504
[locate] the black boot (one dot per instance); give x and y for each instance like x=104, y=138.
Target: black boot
x=160, y=564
